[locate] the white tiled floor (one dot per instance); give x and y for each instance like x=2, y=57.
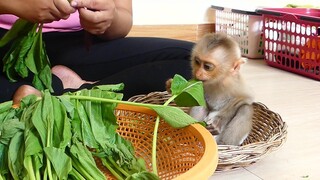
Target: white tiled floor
x=297, y=100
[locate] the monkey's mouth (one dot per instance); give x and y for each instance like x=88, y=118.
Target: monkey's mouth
x=203, y=81
x=200, y=80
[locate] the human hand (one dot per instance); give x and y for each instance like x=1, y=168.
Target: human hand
x=96, y=16
x=43, y=11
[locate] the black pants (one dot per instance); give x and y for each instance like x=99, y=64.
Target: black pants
x=143, y=64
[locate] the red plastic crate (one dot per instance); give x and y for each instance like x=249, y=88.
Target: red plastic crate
x=292, y=39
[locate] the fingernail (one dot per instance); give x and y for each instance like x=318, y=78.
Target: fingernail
x=74, y=4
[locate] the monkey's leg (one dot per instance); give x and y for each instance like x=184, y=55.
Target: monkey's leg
x=237, y=130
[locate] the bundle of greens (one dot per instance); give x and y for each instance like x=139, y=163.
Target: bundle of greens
x=59, y=137
x=27, y=54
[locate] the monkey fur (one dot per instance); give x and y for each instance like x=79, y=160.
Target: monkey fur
x=216, y=60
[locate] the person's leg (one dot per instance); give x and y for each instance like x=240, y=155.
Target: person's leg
x=70, y=79
x=112, y=57
x=145, y=78
x=142, y=64
x=112, y=61
x=8, y=88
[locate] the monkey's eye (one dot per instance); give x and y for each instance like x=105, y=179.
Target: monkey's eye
x=197, y=61
x=208, y=66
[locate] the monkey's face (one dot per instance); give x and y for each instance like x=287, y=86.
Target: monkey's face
x=210, y=64
x=204, y=67
x=213, y=58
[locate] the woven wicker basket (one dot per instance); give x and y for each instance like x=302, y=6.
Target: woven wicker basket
x=181, y=153
x=268, y=134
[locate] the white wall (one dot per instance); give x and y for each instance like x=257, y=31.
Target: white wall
x=155, y=12
x=151, y=12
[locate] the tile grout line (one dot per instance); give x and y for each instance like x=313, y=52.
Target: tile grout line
x=253, y=173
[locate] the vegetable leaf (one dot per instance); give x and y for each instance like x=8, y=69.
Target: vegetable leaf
x=110, y=87
x=81, y=126
x=27, y=53
x=9, y=128
x=174, y=116
x=20, y=28
x=61, y=162
x=189, y=93
x=15, y=155
x=62, y=126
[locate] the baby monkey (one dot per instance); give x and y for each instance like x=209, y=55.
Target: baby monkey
x=216, y=60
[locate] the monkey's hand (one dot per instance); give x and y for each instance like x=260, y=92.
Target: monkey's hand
x=213, y=130
x=168, y=85
x=213, y=123
x=198, y=112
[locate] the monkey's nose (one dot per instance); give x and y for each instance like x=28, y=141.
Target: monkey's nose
x=200, y=78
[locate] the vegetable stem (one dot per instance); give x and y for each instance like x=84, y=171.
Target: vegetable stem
x=155, y=136
x=117, y=166
x=48, y=144
x=81, y=170
x=170, y=100
x=77, y=175
x=45, y=174
x=113, y=172
x=30, y=168
x=154, y=146
x=38, y=175
x=112, y=101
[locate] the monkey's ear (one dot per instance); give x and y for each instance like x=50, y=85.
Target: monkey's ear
x=236, y=66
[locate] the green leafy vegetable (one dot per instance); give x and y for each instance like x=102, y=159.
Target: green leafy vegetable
x=59, y=137
x=83, y=162
x=162, y=110
x=27, y=54
x=187, y=93
x=15, y=156
x=61, y=162
x=18, y=29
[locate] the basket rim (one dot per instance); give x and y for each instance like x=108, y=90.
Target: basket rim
x=208, y=162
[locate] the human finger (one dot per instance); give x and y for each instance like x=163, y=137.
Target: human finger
x=92, y=16
x=93, y=4
x=61, y=10
x=93, y=22
x=64, y=7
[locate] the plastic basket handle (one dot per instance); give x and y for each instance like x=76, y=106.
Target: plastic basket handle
x=217, y=7
x=239, y=11
x=286, y=15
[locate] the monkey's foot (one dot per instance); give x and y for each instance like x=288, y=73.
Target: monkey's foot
x=69, y=78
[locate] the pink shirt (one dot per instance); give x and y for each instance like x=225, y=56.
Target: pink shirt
x=70, y=24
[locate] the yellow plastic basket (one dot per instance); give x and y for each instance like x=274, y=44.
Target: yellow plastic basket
x=186, y=153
